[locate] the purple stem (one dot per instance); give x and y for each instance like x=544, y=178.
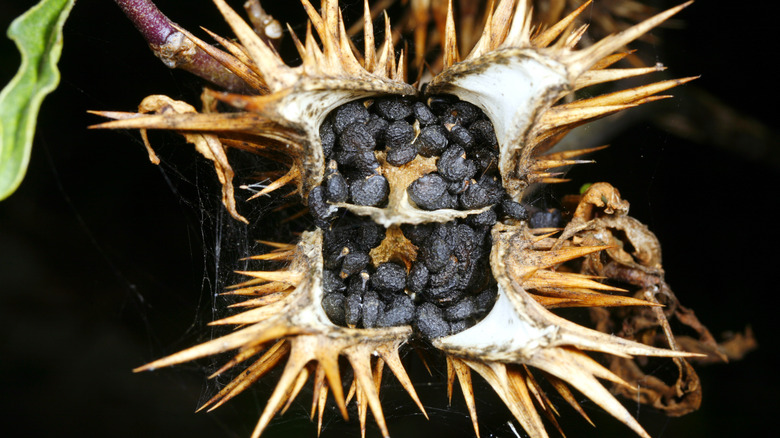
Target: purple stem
x=168, y=44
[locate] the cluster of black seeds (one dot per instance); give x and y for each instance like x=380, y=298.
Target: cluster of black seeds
x=455, y=132
x=447, y=289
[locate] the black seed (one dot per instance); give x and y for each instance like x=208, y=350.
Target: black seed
x=441, y=104
x=423, y=114
x=332, y=282
x=459, y=326
x=429, y=192
x=483, y=133
x=486, y=218
x=327, y=137
x=334, y=306
x=334, y=257
x=369, y=235
x=457, y=187
x=461, y=136
x=393, y=108
x=436, y=254
x=465, y=112
x=486, y=159
x=366, y=162
x=418, y=278
x=460, y=310
x=514, y=209
x=402, y=154
x=389, y=277
x=371, y=191
x=347, y=114
x=377, y=126
x=354, y=303
x=400, y=311
x=372, y=307
x=398, y=134
x=336, y=187
x=429, y=322
x=355, y=139
x=481, y=193
x=454, y=166
x=337, y=238
x=418, y=234
x=353, y=263
x=352, y=309
x=546, y=219
x=484, y=301
x=432, y=141
x=442, y=286
x=321, y=210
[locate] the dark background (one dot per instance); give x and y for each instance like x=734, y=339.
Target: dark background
x=103, y=266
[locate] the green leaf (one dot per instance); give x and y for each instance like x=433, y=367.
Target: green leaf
x=38, y=35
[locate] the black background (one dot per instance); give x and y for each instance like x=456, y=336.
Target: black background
x=103, y=267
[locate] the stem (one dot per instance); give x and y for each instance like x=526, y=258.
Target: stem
x=174, y=49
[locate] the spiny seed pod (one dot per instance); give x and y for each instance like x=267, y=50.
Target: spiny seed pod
x=430, y=166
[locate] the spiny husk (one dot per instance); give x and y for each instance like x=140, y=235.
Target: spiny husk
x=283, y=313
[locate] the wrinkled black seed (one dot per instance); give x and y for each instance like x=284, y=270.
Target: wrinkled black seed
x=486, y=159
x=459, y=326
x=353, y=144
x=334, y=256
x=319, y=208
x=514, y=210
x=485, y=299
x=546, y=219
x=442, y=285
x=332, y=282
x=423, y=114
x=334, y=306
x=432, y=141
x=349, y=113
x=353, y=309
x=354, y=262
x=465, y=112
x=418, y=278
x=377, y=126
x=371, y=191
x=463, y=309
x=486, y=218
x=458, y=187
x=454, y=166
x=399, y=311
x=393, y=108
x=336, y=188
x=436, y=253
x=483, y=133
x=401, y=154
x=389, y=277
x=481, y=193
x=399, y=133
x=428, y=321
x=429, y=192
x=461, y=136
x=337, y=238
x=418, y=234
x=441, y=104
x=369, y=235
x=372, y=307
x=327, y=137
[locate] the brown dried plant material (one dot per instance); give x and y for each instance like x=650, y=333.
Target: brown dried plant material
x=633, y=261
